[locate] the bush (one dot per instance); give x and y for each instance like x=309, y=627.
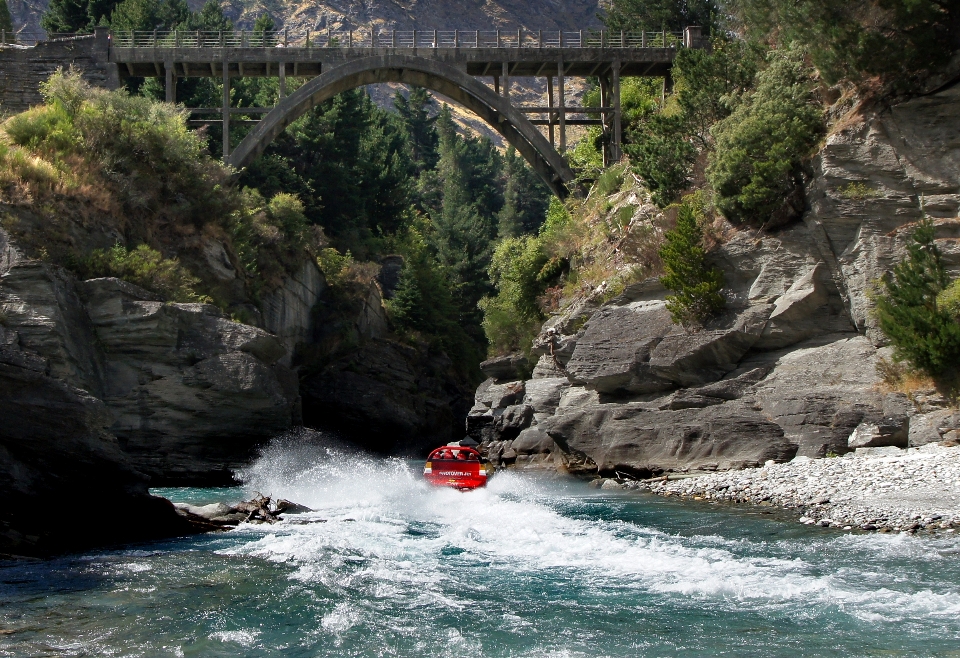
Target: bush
x=696, y=288
x=923, y=332
x=901, y=41
x=146, y=268
x=757, y=167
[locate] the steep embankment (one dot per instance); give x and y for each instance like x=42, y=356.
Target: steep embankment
x=790, y=368
x=122, y=259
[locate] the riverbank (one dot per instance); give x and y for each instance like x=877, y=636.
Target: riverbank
x=883, y=489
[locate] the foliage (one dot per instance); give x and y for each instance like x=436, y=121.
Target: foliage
x=857, y=191
x=664, y=145
x=149, y=15
x=147, y=268
x=517, y=270
x=660, y=14
x=6, y=22
x=696, y=287
x=900, y=41
x=423, y=305
x=761, y=148
x=923, y=332
x=420, y=126
x=525, y=198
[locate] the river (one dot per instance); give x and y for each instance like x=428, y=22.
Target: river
x=530, y=566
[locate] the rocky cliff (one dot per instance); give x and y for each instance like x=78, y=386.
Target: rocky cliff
x=789, y=369
x=185, y=391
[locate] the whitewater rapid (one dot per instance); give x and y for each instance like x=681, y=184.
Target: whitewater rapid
x=386, y=565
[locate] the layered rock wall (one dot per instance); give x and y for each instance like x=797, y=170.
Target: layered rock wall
x=789, y=368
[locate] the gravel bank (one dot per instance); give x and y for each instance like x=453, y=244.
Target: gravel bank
x=885, y=489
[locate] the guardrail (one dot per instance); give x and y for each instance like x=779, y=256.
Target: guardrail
x=25, y=39
x=400, y=39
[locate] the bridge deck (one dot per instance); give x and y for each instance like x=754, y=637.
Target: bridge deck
x=202, y=54
x=259, y=62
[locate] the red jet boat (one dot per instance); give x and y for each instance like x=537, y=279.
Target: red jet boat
x=455, y=466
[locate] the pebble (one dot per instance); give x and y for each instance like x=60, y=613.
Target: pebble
x=872, y=490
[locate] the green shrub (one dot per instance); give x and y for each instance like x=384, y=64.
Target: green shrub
x=696, y=287
x=757, y=167
x=901, y=41
x=923, y=332
x=146, y=268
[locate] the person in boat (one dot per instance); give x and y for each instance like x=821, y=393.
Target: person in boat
x=446, y=454
x=462, y=455
x=471, y=457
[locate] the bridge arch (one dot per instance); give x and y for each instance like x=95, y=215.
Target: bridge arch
x=431, y=74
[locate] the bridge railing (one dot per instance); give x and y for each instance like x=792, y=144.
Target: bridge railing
x=378, y=38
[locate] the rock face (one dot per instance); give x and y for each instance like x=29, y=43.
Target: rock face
x=789, y=369
x=387, y=396
x=183, y=391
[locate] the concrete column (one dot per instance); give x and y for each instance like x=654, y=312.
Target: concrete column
x=283, y=80
x=225, y=109
x=615, y=150
x=562, y=104
x=170, y=84
x=506, y=80
x=550, y=108
x=605, y=119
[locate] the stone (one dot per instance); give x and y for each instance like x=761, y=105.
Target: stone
x=691, y=359
x=514, y=418
x=533, y=441
x=891, y=431
x=288, y=309
x=630, y=439
x=389, y=275
x=544, y=394
x=505, y=368
x=499, y=396
x=613, y=353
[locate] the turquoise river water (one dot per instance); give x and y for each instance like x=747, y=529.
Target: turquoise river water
x=387, y=566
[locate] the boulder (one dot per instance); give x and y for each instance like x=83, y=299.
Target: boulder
x=691, y=359
x=288, y=309
x=533, y=441
x=892, y=431
x=821, y=390
x=389, y=275
x=499, y=396
x=630, y=439
x=613, y=352
x=505, y=368
x=543, y=395
x=514, y=418
x=931, y=427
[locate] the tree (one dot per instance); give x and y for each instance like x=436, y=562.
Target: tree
x=637, y=15
x=144, y=15
x=921, y=331
x=696, y=287
x=901, y=41
x=66, y=16
x=762, y=147
x=6, y=22
x=420, y=126
x=525, y=198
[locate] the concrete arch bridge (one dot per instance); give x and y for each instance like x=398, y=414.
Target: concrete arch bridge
x=453, y=63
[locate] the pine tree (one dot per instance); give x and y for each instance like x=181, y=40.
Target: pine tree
x=6, y=22
x=922, y=333
x=696, y=287
x=66, y=16
x=462, y=238
x=420, y=126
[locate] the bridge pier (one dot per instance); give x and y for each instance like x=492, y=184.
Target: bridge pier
x=170, y=83
x=225, y=110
